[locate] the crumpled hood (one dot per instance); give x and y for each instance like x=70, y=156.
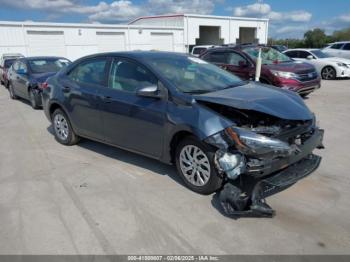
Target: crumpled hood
x=262, y=98
x=42, y=77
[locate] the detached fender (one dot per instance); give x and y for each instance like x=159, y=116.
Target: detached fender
x=193, y=118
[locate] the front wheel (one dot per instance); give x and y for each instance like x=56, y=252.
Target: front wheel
x=12, y=93
x=328, y=73
x=63, y=130
x=195, y=164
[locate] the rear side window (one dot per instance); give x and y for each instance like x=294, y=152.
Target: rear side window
x=337, y=46
x=198, y=50
x=217, y=57
x=9, y=62
x=89, y=72
x=292, y=54
x=129, y=76
x=346, y=46
x=303, y=54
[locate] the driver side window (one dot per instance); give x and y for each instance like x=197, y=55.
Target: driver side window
x=236, y=59
x=128, y=76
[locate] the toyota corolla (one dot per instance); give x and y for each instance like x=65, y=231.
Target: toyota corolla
x=242, y=139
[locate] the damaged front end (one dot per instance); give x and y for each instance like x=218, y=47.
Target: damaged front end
x=262, y=155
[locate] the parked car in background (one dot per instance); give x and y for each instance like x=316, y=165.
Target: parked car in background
x=277, y=69
x=280, y=48
x=27, y=76
x=338, y=49
x=6, y=61
x=199, y=49
x=327, y=66
x=180, y=109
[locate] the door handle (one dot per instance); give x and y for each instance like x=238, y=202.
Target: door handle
x=107, y=99
x=66, y=89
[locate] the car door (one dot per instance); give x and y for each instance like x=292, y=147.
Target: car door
x=334, y=50
x=129, y=120
x=239, y=65
x=230, y=61
x=345, y=51
x=80, y=87
x=22, y=79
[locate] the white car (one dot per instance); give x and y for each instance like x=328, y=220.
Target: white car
x=327, y=66
x=338, y=49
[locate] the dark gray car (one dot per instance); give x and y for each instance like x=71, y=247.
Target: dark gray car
x=243, y=139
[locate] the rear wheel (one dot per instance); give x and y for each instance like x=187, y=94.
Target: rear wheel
x=328, y=73
x=195, y=164
x=11, y=92
x=63, y=130
x=33, y=99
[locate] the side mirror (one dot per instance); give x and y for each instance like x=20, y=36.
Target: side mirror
x=309, y=57
x=21, y=71
x=242, y=63
x=149, y=91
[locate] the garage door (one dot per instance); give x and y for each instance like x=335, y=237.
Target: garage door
x=46, y=43
x=110, y=41
x=162, y=41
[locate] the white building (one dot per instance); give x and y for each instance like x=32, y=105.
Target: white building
x=167, y=33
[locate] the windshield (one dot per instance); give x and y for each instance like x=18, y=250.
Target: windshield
x=45, y=65
x=318, y=53
x=9, y=62
x=268, y=55
x=193, y=75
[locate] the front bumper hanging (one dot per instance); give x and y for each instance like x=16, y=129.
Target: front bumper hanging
x=250, y=202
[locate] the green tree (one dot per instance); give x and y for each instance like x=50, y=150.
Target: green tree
x=341, y=35
x=315, y=38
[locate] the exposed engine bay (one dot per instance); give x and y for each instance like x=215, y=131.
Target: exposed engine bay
x=260, y=155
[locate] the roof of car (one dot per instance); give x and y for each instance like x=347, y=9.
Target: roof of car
x=139, y=54
x=42, y=57
x=302, y=49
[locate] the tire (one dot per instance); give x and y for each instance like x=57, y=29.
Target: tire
x=11, y=92
x=328, y=73
x=32, y=99
x=63, y=130
x=205, y=180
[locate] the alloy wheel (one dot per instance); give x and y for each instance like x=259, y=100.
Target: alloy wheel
x=61, y=127
x=194, y=165
x=328, y=73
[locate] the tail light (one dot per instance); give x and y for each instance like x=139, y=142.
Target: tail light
x=43, y=86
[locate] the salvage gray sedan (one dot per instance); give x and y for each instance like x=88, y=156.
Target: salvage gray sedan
x=242, y=139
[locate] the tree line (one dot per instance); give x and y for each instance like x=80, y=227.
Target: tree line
x=316, y=38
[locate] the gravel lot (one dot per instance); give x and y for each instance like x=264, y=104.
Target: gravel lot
x=96, y=199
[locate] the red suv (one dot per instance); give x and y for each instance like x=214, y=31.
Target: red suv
x=277, y=69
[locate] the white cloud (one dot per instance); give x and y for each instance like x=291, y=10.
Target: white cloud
x=120, y=10
x=345, y=18
x=182, y=6
x=254, y=9
x=290, y=29
x=265, y=10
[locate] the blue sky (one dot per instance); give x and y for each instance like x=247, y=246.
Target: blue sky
x=288, y=18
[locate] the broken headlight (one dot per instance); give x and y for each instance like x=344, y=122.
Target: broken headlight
x=250, y=143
